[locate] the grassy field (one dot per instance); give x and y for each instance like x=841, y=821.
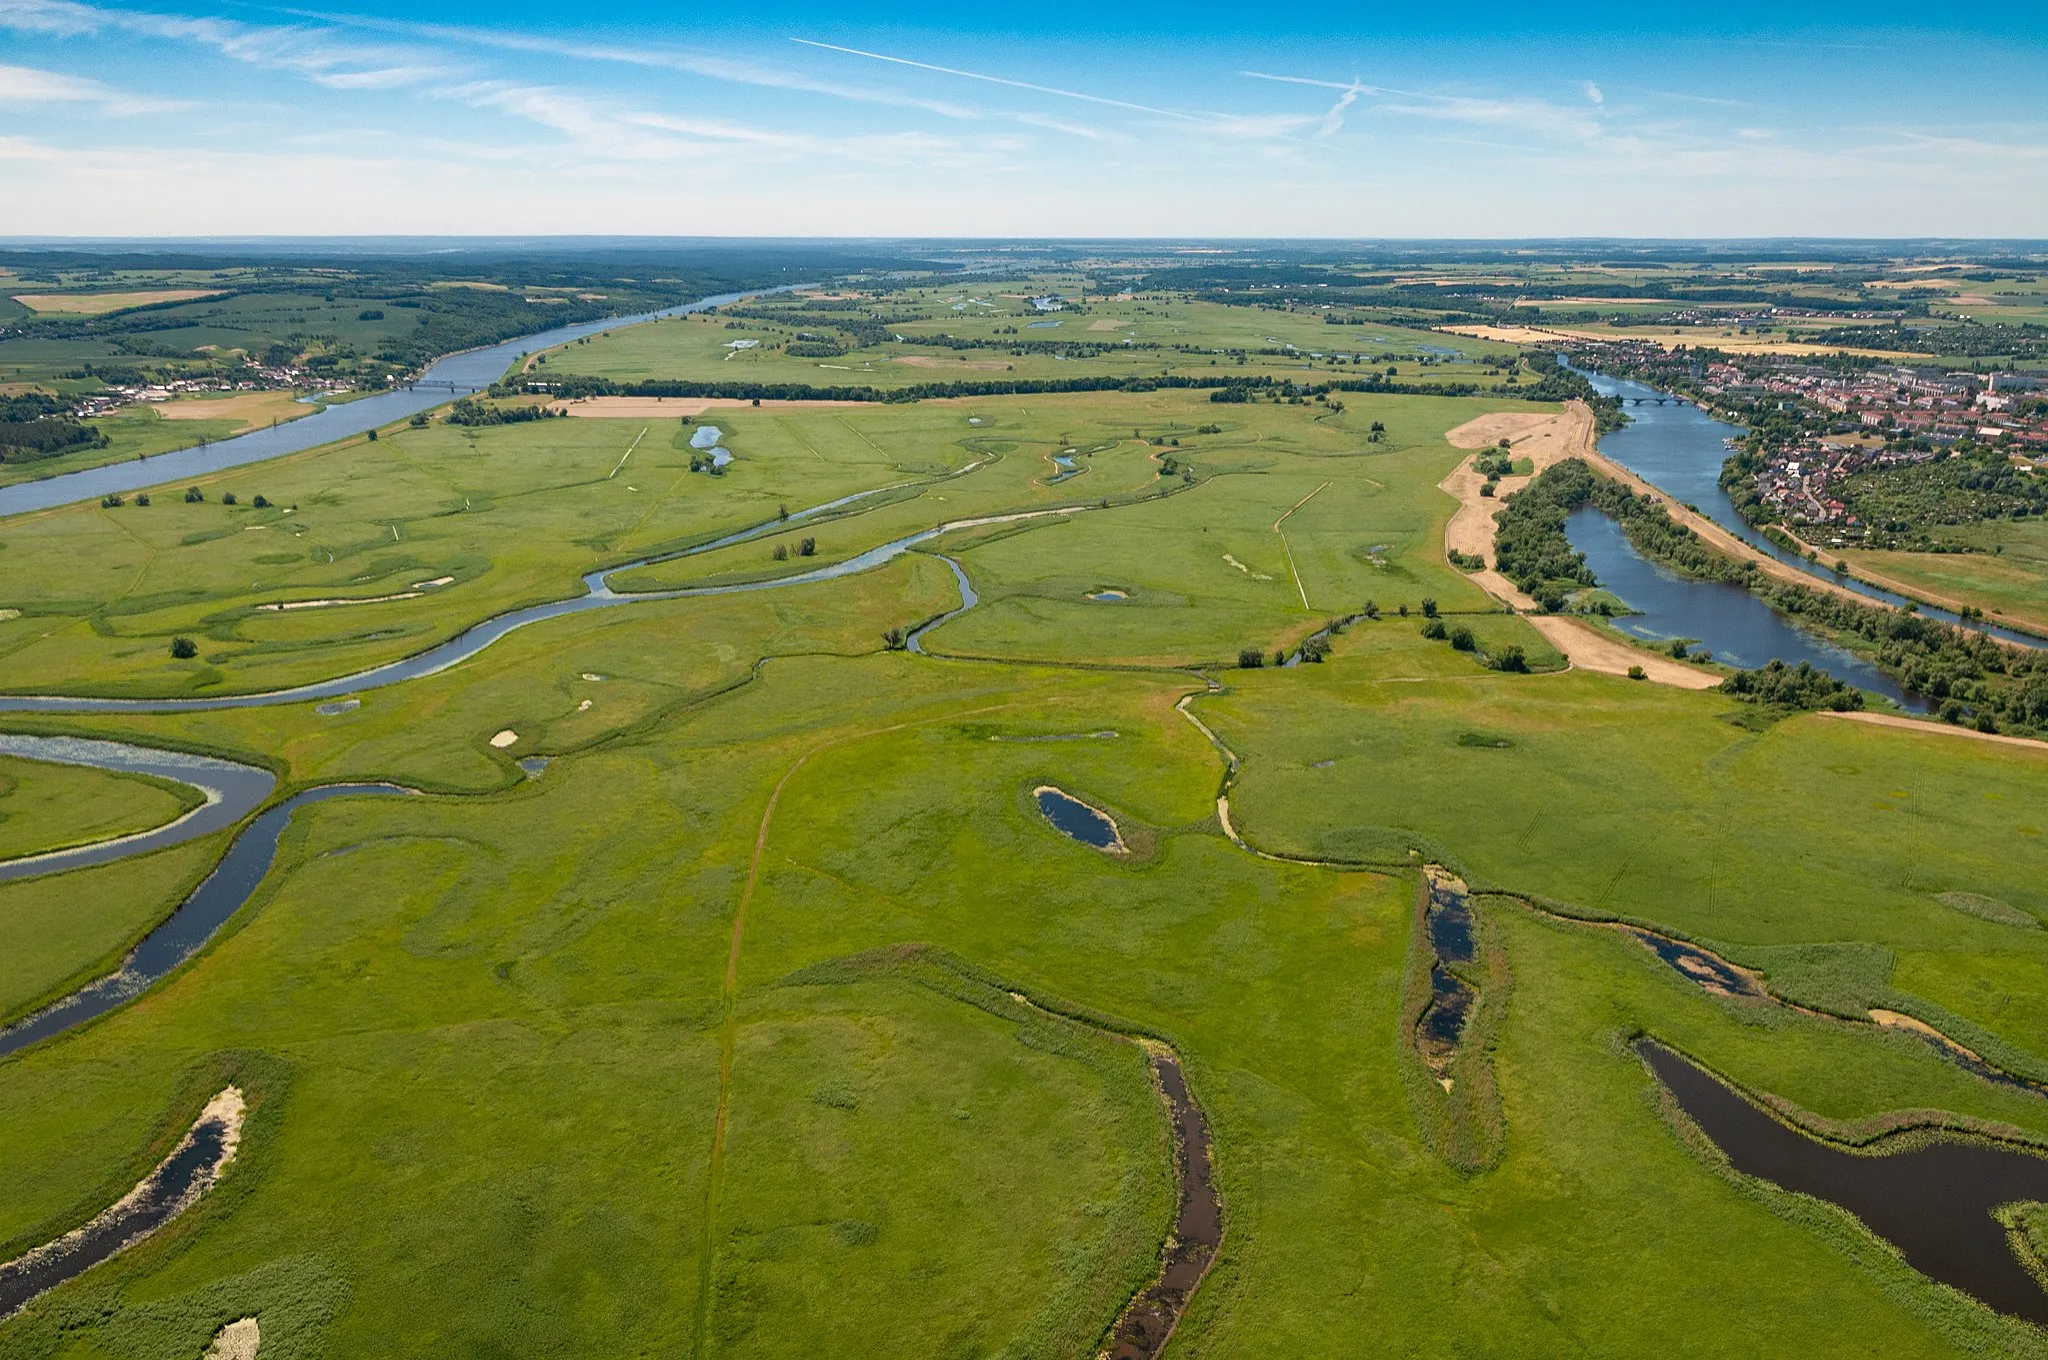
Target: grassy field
x=51, y=807
x=732, y=1031
x=415, y=537
x=2009, y=584
x=1166, y=335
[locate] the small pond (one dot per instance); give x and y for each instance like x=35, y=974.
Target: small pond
x=1076, y=820
x=706, y=436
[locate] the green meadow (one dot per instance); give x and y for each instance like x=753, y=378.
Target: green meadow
x=1109, y=336
x=2007, y=577
x=770, y=1017
x=46, y=807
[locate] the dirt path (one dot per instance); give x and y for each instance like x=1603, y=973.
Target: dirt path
x=1544, y=440
x=1717, y=537
x=1861, y=569
x=1587, y=648
x=1939, y=729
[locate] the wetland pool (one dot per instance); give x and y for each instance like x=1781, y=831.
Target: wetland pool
x=1076, y=820
x=1933, y=1201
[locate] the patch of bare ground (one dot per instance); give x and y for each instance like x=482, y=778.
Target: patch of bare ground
x=1588, y=648
x=934, y=361
x=239, y=1340
x=644, y=408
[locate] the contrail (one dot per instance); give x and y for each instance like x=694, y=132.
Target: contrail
x=1000, y=80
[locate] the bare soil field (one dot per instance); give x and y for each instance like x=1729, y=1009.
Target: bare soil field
x=649, y=408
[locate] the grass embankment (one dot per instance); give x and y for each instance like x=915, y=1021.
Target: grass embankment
x=2010, y=585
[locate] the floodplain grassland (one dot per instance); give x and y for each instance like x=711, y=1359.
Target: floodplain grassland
x=132, y=432
x=413, y=538
x=45, y=806
x=709, y=1037
x=1642, y=803
x=61, y=931
x=2008, y=579
x=1169, y=334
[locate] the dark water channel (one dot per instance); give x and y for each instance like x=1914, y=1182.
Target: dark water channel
x=167, y=1191
x=1147, y=1323
x=1075, y=820
x=208, y=908
x=968, y=599
x=1449, y=926
x=1737, y=627
x=1710, y=971
x=1934, y=1203
x=451, y=375
x=232, y=792
x=1680, y=449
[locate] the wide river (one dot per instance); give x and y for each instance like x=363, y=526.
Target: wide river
x=452, y=375
x=1680, y=449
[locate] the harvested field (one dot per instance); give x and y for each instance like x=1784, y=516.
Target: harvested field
x=254, y=409
x=99, y=304
x=934, y=361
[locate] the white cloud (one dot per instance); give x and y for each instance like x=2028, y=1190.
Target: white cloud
x=27, y=85
x=1593, y=93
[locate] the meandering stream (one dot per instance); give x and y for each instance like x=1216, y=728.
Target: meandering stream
x=232, y=791
x=181, y=933
x=598, y=594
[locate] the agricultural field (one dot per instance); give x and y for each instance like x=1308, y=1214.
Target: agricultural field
x=710, y=973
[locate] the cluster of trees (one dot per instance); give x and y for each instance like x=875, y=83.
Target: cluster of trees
x=1975, y=677
x=1967, y=340
x=1530, y=547
x=1800, y=687
x=469, y=411
x=36, y=425
x=1903, y=506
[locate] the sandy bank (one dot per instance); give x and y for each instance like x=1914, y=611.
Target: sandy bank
x=1588, y=648
x=1545, y=440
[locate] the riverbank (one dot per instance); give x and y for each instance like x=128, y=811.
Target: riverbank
x=1545, y=440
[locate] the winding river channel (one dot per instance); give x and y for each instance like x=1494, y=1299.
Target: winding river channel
x=231, y=791
x=598, y=594
x=452, y=375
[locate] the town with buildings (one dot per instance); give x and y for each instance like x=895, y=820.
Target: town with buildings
x=1816, y=422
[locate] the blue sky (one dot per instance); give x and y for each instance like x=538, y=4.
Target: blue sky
x=1060, y=119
